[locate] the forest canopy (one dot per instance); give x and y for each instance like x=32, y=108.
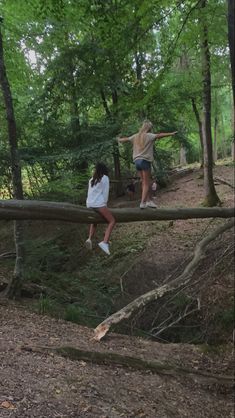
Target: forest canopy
x=83, y=72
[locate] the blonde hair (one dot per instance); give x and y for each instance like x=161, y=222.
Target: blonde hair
x=140, y=137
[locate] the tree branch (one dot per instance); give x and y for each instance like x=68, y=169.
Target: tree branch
x=176, y=321
x=155, y=294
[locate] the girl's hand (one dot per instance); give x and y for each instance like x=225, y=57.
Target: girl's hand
x=175, y=132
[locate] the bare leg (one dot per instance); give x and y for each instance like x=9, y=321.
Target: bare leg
x=92, y=230
x=107, y=215
x=145, y=177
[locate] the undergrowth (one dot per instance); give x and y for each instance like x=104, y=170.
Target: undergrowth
x=83, y=286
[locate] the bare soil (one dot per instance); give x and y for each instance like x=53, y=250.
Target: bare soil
x=46, y=385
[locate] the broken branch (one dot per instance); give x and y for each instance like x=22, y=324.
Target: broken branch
x=155, y=294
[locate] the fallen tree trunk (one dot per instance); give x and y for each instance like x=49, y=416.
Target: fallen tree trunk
x=41, y=210
x=155, y=294
x=110, y=359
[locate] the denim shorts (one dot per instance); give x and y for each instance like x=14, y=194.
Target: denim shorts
x=142, y=165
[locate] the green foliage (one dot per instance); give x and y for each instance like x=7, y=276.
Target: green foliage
x=83, y=72
x=161, y=165
x=47, y=306
x=70, y=188
x=226, y=318
x=73, y=313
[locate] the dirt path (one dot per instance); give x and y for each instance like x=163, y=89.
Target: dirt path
x=45, y=385
x=36, y=385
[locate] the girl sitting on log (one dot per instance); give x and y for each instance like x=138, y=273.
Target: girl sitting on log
x=97, y=198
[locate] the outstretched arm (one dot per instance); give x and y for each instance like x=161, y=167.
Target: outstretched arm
x=124, y=139
x=164, y=134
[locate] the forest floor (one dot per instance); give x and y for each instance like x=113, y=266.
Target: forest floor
x=43, y=384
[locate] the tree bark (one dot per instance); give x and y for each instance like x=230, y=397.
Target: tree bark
x=211, y=198
x=155, y=294
x=223, y=138
x=231, y=35
x=15, y=284
x=183, y=158
x=41, y=210
x=215, y=139
x=199, y=122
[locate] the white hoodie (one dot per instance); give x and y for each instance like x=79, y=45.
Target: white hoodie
x=97, y=196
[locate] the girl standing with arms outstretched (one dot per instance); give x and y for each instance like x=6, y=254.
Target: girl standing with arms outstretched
x=97, y=198
x=143, y=143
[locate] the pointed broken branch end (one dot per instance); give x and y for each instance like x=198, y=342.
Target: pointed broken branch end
x=100, y=332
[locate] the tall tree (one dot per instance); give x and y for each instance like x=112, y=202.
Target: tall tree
x=14, y=286
x=231, y=34
x=211, y=197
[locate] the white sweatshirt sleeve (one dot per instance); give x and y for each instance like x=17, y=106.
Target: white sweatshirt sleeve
x=105, y=186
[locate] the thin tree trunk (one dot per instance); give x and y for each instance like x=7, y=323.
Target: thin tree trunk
x=233, y=150
x=231, y=35
x=30, y=181
x=15, y=284
x=199, y=122
x=104, y=103
x=183, y=159
x=211, y=197
x=223, y=138
x=215, y=139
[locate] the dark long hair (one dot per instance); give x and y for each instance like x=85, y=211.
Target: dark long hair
x=100, y=170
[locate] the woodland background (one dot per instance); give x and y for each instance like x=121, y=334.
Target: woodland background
x=74, y=75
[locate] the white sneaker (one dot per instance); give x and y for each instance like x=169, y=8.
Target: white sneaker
x=143, y=205
x=104, y=246
x=151, y=204
x=88, y=244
